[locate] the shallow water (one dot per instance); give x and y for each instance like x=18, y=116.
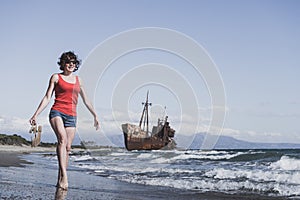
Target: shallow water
x=265, y=172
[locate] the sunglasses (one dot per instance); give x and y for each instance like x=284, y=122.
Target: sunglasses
x=72, y=61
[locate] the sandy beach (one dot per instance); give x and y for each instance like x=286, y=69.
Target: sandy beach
x=23, y=176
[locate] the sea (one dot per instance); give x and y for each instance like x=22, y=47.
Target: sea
x=271, y=172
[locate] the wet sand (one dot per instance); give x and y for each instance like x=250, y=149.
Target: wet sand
x=10, y=154
x=32, y=181
x=11, y=159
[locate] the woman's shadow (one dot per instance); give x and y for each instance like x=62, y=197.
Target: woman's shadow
x=60, y=194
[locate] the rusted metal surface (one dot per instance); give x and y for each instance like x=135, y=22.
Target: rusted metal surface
x=161, y=136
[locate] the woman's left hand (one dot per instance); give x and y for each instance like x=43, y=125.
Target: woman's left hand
x=96, y=123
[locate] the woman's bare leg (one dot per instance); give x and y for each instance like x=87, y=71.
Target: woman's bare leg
x=70, y=137
x=62, y=140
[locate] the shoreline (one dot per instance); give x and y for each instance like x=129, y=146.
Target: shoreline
x=36, y=179
x=10, y=155
x=25, y=149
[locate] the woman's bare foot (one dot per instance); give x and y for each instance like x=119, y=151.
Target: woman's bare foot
x=60, y=194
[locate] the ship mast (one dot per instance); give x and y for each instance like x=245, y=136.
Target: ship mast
x=145, y=120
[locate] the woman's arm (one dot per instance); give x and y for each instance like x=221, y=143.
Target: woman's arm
x=46, y=98
x=89, y=105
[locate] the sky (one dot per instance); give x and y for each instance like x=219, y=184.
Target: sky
x=253, y=45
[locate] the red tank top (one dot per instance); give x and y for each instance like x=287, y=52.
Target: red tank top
x=66, y=96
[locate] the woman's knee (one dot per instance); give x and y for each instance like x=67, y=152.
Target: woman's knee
x=62, y=141
x=70, y=131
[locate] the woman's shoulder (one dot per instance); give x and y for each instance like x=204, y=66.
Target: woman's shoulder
x=79, y=79
x=54, y=78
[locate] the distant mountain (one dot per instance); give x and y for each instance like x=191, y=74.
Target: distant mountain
x=223, y=142
x=227, y=142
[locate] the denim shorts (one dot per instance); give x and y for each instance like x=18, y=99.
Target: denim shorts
x=68, y=120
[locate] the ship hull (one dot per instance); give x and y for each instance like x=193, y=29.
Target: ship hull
x=137, y=139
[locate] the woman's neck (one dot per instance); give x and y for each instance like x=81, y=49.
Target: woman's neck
x=66, y=73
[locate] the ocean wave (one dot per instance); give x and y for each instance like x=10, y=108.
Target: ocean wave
x=82, y=158
x=272, y=172
x=255, y=175
x=206, y=156
x=216, y=185
x=286, y=163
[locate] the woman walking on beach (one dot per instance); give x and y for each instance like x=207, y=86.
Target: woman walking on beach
x=66, y=87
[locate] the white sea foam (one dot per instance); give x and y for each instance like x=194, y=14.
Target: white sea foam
x=120, y=154
x=160, y=160
x=177, y=171
x=202, y=152
x=206, y=156
x=286, y=163
x=81, y=158
x=287, y=190
x=255, y=175
x=216, y=185
x=92, y=167
x=145, y=155
x=201, y=170
x=134, y=169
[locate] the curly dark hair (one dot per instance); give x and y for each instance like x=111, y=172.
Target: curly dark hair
x=66, y=57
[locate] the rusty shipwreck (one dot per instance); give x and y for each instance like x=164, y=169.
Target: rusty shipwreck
x=139, y=137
